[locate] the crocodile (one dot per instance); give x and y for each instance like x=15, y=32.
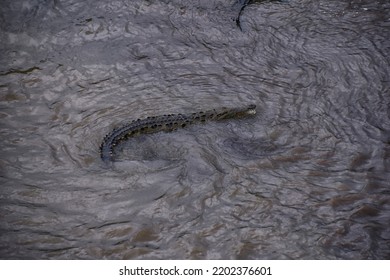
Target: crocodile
x=240, y=5
x=167, y=123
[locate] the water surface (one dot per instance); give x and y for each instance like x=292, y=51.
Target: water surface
x=307, y=178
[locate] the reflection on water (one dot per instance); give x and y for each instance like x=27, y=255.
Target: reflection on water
x=307, y=178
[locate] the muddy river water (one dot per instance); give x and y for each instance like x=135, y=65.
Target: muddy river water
x=308, y=177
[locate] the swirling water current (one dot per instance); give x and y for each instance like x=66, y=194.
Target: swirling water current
x=307, y=178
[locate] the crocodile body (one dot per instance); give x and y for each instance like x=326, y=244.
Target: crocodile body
x=166, y=123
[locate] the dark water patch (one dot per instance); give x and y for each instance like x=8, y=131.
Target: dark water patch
x=251, y=148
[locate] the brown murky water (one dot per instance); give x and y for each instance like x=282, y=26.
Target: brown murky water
x=307, y=178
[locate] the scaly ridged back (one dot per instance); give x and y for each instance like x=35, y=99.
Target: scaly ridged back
x=166, y=123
